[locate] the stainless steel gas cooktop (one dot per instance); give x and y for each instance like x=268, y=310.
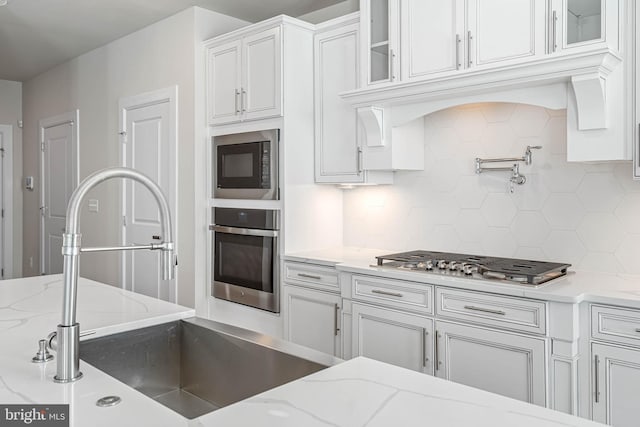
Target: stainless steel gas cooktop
x=507, y=270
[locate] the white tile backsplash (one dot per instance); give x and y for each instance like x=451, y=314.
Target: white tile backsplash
x=584, y=214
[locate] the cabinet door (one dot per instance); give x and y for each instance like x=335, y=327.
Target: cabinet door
x=312, y=319
x=336, y=140
x=262, y=75
x=615, y=385
x=223, y=83
x=500, y=362
x=432, y=37
x=503, y=30
x=379, y=23
x=393, y=337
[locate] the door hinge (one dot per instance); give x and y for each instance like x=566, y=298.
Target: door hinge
x=42, y=209
x=42, y=146
x=2, y=272
x=2, y=152
x=20, y=124
x=2, y=213
x=123, y=135
x=124, y=220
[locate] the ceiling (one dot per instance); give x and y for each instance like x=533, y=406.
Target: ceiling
x=36, y=35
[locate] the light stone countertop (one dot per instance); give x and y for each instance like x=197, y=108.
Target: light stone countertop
x=360, y=392
x=575, y=287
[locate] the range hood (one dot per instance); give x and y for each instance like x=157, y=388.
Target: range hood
x=590, y=85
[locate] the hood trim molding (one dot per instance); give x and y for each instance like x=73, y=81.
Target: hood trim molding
x=538, y=82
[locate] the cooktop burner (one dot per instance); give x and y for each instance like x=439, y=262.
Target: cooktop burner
x=508, y=270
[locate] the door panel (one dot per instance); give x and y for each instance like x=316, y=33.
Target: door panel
x=428, y=39
x=58, y=180
x=312, y=319
x=224, y=80
x=393, y=337
x=148, y=150
x=336, y=145
x=503, y=363
x=261, y=86
x=506, y=29
x=618, y=380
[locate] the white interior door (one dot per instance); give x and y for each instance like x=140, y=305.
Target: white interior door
x=59, y=175
x=149, y=141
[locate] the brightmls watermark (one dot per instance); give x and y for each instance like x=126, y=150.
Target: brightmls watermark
x=34, y=415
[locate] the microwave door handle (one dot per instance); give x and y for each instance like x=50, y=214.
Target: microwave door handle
x=244, y=231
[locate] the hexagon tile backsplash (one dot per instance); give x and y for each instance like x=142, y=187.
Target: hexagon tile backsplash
x=586, y=214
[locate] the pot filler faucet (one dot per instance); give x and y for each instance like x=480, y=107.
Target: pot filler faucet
x=68, y=333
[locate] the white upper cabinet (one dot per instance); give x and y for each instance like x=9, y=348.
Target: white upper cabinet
x=504, y=30
x=261, y=81
x=431, y=37
x=224, y=81
x=244, y=78
x=583, y=24
x=380, y=39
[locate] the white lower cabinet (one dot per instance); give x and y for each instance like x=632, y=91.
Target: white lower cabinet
x=615, y=386
x=509, y=364
x=312, y=319
x=393, y=337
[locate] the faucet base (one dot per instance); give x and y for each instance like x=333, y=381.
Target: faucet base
x=68, y=347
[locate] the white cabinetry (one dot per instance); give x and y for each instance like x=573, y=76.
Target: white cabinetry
x=504, y=363
x=393, y=337
x=581, y=25
x=616, y=382
x=312, y=307
x=615, y=367
x=312, y=319
x=338, y=149
x=449, y=35
x=244, y=77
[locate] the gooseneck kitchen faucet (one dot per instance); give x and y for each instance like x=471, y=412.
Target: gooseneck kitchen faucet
x=68, y=331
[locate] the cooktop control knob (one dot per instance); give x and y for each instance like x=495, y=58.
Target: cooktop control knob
x=429, y=265
x=442, y=264
x=421, y=266
x=453, y=266
x=467, y=269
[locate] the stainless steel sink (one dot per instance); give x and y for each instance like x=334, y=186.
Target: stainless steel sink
x=196, y=366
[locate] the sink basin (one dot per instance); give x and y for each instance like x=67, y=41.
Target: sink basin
x=195, y=366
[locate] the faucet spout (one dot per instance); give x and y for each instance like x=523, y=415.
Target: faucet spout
x=68, y=362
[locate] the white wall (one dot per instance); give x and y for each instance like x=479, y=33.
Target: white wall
x=582, y=213
x=10, y=113
x=158, y=56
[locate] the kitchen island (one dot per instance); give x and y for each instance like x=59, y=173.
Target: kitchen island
x=358, y=392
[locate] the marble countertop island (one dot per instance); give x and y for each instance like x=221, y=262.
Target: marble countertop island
x=359, y=392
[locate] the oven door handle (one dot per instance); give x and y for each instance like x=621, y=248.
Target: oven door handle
x=244, y=231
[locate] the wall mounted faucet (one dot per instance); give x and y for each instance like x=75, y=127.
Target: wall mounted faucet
x=68, y=331
x=516, y=176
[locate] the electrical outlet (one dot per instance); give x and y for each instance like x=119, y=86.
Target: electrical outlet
x=94, y=205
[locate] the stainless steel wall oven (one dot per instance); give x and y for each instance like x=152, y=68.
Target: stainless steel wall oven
x=245, y=257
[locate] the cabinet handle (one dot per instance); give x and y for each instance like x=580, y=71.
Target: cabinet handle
x=484, y=310
x=392, y=71
x=359, y=159
x=458, y=41
x=391, y=294
x=436, y=360
x=237, y=95
x=335, y=320
x=554, y=29
x=597, y=379
x=638, y=330
x=309, y=276
x=243, y=100
x=469, y=38
x=425, y=334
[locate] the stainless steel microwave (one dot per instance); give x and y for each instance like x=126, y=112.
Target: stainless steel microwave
x=246, y=166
